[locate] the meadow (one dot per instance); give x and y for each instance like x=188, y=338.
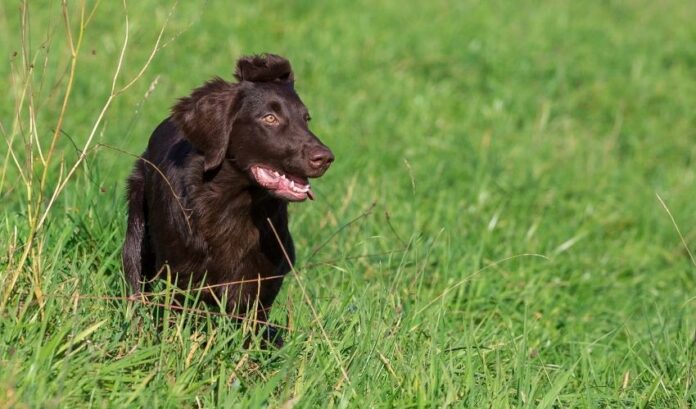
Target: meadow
x=510, y=220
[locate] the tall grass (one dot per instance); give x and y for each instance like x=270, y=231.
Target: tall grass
x=32, y=165
x=509, y=222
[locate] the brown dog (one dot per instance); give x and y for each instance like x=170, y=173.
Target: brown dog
x=224, y=164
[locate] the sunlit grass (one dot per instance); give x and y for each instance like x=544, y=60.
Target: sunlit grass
x=490, y=234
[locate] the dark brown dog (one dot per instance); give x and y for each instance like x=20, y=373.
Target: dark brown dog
x=224, y=164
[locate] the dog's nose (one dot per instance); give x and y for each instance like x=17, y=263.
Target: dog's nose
x=320, y=158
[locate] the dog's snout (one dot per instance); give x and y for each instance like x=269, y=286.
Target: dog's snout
x=320, y=158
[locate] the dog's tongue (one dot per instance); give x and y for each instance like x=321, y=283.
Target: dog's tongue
x=284, y=186
x=291, y=188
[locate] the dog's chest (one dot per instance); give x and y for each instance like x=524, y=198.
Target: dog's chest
x=239, y=241
x=229, y=235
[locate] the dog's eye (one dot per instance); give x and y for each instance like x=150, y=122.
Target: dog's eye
x=270, y=119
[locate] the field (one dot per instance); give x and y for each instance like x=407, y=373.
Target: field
x=508, y=222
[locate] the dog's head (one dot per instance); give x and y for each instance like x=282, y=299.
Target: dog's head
x=259, y=124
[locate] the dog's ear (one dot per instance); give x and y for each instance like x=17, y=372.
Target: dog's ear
x=264, y=68
x=205, y=117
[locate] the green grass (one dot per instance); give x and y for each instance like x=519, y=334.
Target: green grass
x=492, y=235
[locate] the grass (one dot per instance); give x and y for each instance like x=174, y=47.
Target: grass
x=490, y=235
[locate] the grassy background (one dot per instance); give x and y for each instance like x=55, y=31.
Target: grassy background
x=468, y=135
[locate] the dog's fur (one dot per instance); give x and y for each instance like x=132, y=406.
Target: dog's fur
x=196, y=202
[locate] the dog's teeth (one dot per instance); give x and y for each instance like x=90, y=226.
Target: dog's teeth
x=292, y=184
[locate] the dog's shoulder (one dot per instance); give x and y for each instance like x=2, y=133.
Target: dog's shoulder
x=167, y=142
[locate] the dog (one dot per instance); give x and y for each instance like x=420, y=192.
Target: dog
x=208, y=199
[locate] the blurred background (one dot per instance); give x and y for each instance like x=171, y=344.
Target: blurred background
x=507, y=222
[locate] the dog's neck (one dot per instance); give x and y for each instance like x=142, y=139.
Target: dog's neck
x=230, y=191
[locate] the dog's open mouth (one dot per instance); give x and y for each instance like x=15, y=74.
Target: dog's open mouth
x=285, y=186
